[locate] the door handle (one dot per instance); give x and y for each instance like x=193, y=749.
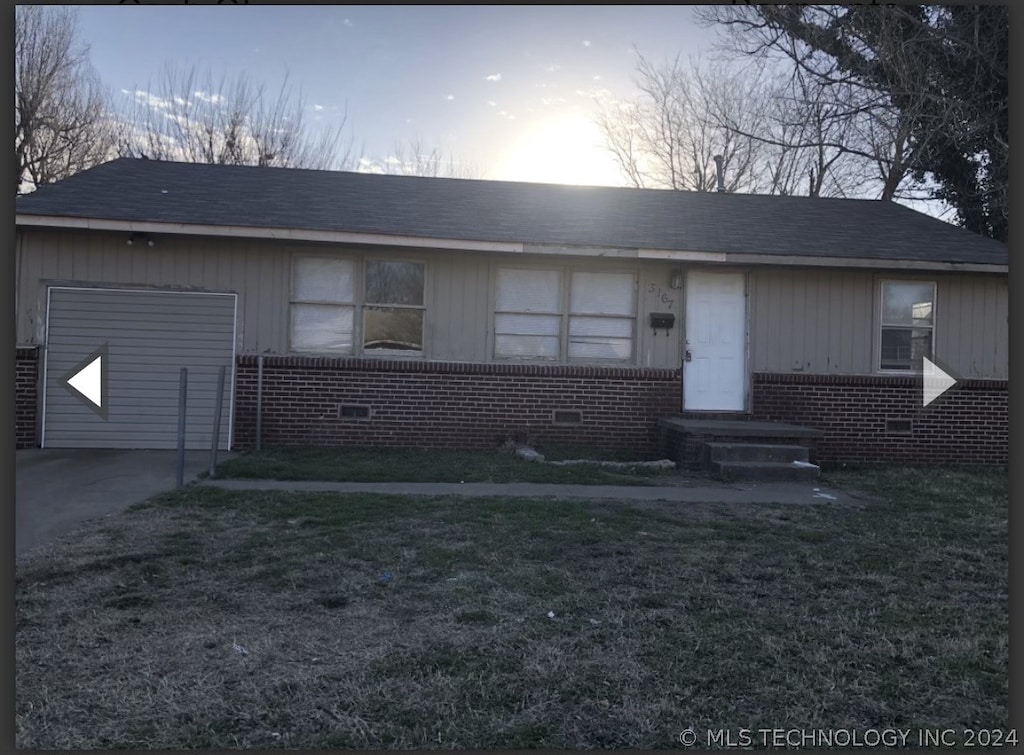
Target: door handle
x=689, y=356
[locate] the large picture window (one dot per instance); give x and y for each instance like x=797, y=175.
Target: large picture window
x=560, y=315
x=907, y=324
x=328, y=294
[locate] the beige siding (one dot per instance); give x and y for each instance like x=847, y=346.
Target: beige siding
x=458, y=318
x=657, y=295
x=825, y=321
x=257, y=271
x=814, y=321
x=806, y=320
x=971, y=325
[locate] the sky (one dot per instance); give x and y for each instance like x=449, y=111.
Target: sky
x=507, y=92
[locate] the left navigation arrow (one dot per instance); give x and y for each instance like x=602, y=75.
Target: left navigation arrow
x=88, y=381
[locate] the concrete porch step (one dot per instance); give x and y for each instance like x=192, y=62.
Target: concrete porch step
x=795, y=471
x=719, y=451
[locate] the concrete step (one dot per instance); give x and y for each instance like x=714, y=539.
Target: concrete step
x=753, y=452
x=798, y=471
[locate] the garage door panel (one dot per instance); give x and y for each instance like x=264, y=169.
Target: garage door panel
x=149, y=337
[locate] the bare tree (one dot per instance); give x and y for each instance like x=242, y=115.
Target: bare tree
x=415, y=158
x=60, y=108
x=930, y=83
x=194, y=117
x=668, y=136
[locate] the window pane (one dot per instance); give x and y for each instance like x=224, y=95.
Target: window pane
x=400, y=329
x=529, y=290
x=321, y=327
x=907, y=303
x=603, y=294
x=536, y=325
x=903, y=348
x=544, y=347
x=323, y=279
x=394, y=283
x=619, y=327
x=582, y=347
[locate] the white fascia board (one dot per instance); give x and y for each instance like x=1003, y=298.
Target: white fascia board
x=682, y=256
x=250, y=232
x=861, y=262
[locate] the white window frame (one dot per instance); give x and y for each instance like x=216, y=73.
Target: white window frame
x=358, y=306
x=565, y=316
x=349, y=305
x=365, y=305
x=881, y=324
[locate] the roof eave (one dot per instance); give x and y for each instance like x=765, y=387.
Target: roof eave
x=27, y=220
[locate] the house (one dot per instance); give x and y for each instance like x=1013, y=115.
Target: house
x=369, y=309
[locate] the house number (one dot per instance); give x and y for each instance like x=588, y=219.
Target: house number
x=661, y=294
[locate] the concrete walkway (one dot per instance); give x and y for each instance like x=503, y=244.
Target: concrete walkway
x=750, y=492
x=58, y=490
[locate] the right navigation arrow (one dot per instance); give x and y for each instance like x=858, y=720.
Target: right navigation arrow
x=936, y=381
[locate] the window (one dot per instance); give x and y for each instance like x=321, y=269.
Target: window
x=532, y=320
x=325, y=301
x=323, y=308
x=907, y=324
x=393, y=309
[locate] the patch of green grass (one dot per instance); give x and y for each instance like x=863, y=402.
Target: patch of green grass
x=419, y=465
x=517, y=623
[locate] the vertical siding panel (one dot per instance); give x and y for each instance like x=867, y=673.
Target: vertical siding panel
x=837, y=324
x=823, y=322
x=988, y=358
x=1002, y=330
x=860, y=290
x=754, y=305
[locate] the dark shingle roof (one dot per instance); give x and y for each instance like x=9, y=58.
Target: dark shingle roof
x=150, y=190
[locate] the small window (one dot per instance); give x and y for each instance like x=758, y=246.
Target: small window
x=393, y=309
x=907, y=324
x=322, y=305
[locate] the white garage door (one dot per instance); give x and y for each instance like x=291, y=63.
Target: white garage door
x=112, y=364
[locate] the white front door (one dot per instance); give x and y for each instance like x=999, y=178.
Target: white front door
x=714, y=365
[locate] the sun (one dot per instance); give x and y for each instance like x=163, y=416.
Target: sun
x=566, y=149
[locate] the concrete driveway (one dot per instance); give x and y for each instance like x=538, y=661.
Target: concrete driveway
x=58, y=490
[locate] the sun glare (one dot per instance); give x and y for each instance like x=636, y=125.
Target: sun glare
x=566, y=149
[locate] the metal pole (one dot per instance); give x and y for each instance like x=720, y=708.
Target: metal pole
x=259, y=401
x=216, y=421
x=182, y=393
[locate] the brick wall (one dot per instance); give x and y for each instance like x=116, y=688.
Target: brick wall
x=26, y=381
x=451, y=405
x=969, y=424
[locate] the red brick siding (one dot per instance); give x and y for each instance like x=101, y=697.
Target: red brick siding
x=26, y=382
x=451, y=405
x=967, y=425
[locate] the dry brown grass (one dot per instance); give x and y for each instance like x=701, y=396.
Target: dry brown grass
x=665, y=617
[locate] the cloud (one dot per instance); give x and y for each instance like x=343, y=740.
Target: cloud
x=494, y=77
x=347, y=22
x=552, y=68
x=318, y=108
x=586, y=43
x=597, y=78
x=450, y=97
x=492, y=103
x=213, y=99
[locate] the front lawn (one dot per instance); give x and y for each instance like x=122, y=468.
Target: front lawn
x=215, y=619
x=416, y=465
